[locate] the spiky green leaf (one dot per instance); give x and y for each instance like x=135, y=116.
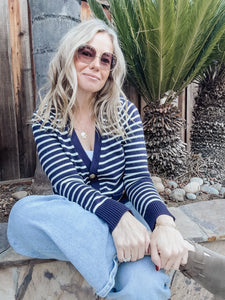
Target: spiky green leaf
x=98, y=10
x=167, y=43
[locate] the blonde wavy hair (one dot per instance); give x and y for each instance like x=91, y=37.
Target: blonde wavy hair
x=61, y=96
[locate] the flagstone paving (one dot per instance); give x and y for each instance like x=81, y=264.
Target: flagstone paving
x=26, y=278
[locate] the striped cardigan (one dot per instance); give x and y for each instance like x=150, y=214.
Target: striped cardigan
x=118, y=166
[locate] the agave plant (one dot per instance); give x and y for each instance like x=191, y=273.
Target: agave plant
x=166, y=43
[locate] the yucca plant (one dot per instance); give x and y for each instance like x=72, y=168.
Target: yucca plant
x=166, y=43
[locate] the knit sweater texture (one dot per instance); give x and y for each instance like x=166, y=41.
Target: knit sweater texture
x=118, y=168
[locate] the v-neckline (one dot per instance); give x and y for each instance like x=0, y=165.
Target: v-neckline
x=90, y=164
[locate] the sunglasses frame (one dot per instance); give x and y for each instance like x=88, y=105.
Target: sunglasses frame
x=89, y=59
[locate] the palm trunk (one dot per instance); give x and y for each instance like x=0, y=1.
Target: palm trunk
x=208, y=129
x=167, y=155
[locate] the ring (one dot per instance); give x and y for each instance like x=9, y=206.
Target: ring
x=127, y=259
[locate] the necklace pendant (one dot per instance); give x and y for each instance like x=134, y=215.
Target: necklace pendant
x=83, y=135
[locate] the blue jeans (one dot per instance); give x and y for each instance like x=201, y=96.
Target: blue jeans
x=53, y=227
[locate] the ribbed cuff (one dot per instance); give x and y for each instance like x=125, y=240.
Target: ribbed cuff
x=111, y=212
x=154, y=210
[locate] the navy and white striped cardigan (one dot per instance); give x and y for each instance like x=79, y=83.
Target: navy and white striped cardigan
x=118, y=165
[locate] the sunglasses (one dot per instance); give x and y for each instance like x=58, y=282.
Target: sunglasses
x=86, y=54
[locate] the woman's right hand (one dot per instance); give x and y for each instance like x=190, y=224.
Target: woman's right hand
x=131, y=238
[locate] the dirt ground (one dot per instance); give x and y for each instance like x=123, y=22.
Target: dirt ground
x=7, y=200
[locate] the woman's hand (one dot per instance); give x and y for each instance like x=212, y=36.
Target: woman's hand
x=168, y=249
x=131, y=238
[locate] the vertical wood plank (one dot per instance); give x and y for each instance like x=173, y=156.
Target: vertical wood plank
x=22, y=79
x=26, y=95
x=9, y=158
x=182, y=108
x=85, y=11
x=191, y=93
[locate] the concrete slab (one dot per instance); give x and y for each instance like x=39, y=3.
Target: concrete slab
x=188, y=228
x=209, y=215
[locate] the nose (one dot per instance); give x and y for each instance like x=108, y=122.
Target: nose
x=95, y=64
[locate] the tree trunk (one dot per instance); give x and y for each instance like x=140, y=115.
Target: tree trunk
x=208, y=129
x=51, y=20
x=167, y=155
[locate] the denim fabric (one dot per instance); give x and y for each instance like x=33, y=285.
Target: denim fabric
x=53, y=227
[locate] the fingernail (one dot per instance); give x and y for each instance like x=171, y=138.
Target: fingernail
x=157, y=268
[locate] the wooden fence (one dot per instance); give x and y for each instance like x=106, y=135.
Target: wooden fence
x=17, y=90
x=17, y=150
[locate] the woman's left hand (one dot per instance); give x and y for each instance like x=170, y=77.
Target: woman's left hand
x=167, y=247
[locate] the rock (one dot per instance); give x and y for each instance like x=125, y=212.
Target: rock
x=156, y=179
x=19, y=195
x=158, y=184
x=192, y=187
x=167, y=191
x=206, y=182
x=217, y=186
x=213, y=173
x=210, y=190
x=197, y=179
x=222, y=191
x=172, y=184
x=177, y=195
x=191, y=196
x=159, y=187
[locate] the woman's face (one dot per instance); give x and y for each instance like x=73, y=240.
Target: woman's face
x=91, y=77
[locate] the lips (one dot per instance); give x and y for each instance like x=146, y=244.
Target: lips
x=91, y=76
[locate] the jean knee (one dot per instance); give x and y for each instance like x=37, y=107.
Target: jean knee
x=152, y=287
x=140, y=281
x=19, y=208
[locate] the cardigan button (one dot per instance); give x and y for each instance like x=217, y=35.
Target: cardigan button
x=92, y=176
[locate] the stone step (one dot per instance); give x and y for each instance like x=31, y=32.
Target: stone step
x=28, y=278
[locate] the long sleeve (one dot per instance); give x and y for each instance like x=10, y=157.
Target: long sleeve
x=118, y=165
x=61, y=164
x=138, y=184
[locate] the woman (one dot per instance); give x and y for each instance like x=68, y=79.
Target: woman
x=91, y=145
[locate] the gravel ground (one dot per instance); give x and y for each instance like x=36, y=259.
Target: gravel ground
x=9, y=188
x=6, y=198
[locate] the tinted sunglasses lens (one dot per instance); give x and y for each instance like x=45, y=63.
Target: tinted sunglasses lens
x=108, y=60
x=86, y=54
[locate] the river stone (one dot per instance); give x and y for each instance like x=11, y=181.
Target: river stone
x=192, y=187
x=197, y=179
x=208, y=189
x=191, y=196
x=217, y=186
x=158, y=184
x=222, y=191
x=19, y=195
x=172, y=184
x=167, y=191
x=156, y=179
x=159, y=187
x=177, y=195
